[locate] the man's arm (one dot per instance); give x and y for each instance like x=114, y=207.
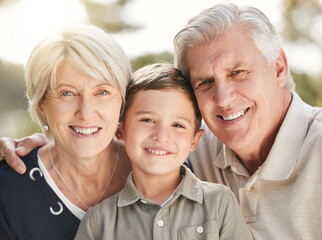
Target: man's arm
x=11, y=149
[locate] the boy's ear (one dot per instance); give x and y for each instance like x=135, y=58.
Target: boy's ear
x=196, y=139
x=119, y=132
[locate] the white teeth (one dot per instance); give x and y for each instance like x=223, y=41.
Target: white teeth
x=234, y=116
x=157, y=152
x=86, y=131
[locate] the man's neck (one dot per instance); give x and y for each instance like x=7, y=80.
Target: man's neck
x=252, y=161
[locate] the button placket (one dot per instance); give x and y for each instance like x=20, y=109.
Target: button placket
x=160, y=223
x=248, y=198
x=200, y=229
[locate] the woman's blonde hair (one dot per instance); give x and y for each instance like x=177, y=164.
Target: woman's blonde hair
x=89, y=49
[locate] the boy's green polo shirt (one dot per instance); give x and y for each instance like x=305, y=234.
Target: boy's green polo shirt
x=197, y=210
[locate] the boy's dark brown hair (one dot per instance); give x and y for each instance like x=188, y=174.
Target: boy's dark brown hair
x=160, y=76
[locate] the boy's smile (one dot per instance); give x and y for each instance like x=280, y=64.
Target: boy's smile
x=159, y=131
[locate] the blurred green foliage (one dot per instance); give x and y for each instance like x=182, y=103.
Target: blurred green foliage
x=141, y=61
x=300, y=16
x=302, y=24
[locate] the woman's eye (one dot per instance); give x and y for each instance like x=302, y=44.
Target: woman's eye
x=67, y=93
x=103, y=92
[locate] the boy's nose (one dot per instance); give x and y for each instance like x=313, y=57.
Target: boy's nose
x=161, y=134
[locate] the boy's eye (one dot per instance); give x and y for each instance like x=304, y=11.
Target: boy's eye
x=177, y=125
x=67, y=93
x=148, y=120
x=103, y=92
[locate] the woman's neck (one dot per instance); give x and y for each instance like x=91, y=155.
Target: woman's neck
x=85, y=182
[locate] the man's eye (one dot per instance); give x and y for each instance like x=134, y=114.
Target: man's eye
x=204, y=85
x=236, y=72
x=67, y=93
x=103, y=92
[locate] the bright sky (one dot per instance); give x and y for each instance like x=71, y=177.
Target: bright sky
x=24, y=23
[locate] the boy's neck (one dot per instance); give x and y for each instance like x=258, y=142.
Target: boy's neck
x=157, y=188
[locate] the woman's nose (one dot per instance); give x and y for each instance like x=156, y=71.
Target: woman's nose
x=85, y=108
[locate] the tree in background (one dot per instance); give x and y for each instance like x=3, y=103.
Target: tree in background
x=301, y=19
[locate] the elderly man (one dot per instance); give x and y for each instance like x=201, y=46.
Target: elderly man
x=262, y=140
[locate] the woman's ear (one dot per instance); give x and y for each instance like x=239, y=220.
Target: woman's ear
x=120, y=132
x=42, y=111
x=281, y=69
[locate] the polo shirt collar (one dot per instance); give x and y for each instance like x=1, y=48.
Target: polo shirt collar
x=190, y=187
x=228, y=159
x=281, y=160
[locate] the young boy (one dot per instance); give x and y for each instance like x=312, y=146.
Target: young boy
x=162, y=199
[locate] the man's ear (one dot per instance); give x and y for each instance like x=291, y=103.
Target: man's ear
x=120, y=132
x=196, y=139
x=281, y=68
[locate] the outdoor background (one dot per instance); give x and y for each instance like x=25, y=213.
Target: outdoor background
x=145, y=29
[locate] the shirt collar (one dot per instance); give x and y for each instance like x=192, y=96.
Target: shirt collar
x=281, y=159
x=228, y=159
x=190, y=187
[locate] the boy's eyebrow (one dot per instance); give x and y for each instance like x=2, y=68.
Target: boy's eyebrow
x=143, y=112
x=180, y=117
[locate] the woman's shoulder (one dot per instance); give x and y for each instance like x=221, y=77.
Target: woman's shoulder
x=9, y=177
x=30, y=160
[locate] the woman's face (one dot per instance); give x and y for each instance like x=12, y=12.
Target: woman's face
x=82, y=113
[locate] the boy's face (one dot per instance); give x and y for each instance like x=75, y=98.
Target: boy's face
x=159, y=131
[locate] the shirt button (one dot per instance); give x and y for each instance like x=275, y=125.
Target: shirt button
x=199, y=229
x=248, y=189
x=160, y=223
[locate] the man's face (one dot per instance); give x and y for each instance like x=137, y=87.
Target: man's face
x=240, y=95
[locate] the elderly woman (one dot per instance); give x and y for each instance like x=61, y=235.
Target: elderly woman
x=76, y=82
